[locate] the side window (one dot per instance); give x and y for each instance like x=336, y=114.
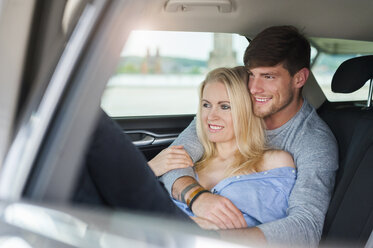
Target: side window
x=159, y=72
x=331, y=54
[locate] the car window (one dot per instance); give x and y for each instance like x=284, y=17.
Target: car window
x=159, y=71
x=331, y=54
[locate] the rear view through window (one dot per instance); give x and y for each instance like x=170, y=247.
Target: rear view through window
x=159, y=72
x=330, y=54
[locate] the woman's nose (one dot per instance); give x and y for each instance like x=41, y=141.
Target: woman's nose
x=213, y=114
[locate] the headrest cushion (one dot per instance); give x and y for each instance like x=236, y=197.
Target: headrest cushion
x=352, y=74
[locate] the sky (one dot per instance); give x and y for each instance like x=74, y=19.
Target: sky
x=192, y=45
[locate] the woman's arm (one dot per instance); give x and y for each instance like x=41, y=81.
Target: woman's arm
x=276, y=159
x=173, y=157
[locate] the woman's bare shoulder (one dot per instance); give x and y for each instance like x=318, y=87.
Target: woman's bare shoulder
x=277, y=158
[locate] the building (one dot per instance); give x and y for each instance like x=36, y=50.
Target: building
x=223, y=54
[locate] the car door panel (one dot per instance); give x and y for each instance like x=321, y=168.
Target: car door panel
x=151, y=134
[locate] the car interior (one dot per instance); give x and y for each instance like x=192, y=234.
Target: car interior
x=341, y=28
x=349, y=218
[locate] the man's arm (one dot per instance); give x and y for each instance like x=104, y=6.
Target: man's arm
x=214, y=208
x=189, y=140
x=317, y=163
x=308, y=202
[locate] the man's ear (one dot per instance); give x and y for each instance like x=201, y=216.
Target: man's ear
x=301, y=77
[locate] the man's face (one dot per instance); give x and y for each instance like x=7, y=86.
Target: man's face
x=272, y=91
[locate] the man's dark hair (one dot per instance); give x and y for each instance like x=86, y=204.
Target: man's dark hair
x=279, y=44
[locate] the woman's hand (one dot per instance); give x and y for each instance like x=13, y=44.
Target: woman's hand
x=173, y=157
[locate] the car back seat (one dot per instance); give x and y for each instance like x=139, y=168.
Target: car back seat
x=349, y=219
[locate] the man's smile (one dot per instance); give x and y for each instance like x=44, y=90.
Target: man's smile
x=262, y=99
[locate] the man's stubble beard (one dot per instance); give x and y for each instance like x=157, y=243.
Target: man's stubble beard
x=275, y=107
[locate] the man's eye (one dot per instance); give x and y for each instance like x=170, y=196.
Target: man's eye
x=269, y=77
x=225, y=107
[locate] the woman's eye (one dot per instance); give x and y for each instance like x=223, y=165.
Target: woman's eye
x=205, y=105
x=225, y=107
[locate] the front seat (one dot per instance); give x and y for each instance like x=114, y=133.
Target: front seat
x=350, y=215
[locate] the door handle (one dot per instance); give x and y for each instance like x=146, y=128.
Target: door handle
x=146, y=138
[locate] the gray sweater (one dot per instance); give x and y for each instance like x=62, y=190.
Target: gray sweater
x=314, y=149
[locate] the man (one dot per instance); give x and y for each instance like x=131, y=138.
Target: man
x=278, y=62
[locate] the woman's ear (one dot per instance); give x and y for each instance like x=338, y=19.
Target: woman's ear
x=301, y=77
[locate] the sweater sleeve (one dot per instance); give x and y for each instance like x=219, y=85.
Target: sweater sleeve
x=189, y=139
x=310, y=196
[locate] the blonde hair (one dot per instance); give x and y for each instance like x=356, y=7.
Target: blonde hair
x=248, y=128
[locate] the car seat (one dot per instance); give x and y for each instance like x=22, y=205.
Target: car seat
x=349, y=219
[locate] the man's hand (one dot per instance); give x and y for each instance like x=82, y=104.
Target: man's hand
x=205, y=224
x=174, y=157
x=219, y=210
x=215, y=208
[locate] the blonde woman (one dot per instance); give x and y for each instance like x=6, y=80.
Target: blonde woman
x=236, y=163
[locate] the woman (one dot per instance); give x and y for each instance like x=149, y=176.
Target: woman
x=236, y=163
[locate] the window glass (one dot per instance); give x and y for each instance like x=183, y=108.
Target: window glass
x=331, y=54
x=324, y=69
x=159, y=72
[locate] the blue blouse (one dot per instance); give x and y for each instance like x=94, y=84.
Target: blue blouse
x=261, y=197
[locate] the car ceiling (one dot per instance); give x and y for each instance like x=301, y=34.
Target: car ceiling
x=343, y=19
x=338, y=46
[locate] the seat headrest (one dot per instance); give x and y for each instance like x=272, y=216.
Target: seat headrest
x=352, y=74
x=313, y=92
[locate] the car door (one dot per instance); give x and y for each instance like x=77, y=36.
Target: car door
x=70, y=53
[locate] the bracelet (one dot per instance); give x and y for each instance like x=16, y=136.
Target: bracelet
x=193, y=196
x=189, y=187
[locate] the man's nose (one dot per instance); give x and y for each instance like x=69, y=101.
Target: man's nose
x=255, y=86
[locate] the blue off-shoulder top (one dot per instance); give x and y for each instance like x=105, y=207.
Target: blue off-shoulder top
x=261, y=197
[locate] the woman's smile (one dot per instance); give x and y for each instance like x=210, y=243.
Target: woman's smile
x=215, y=128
